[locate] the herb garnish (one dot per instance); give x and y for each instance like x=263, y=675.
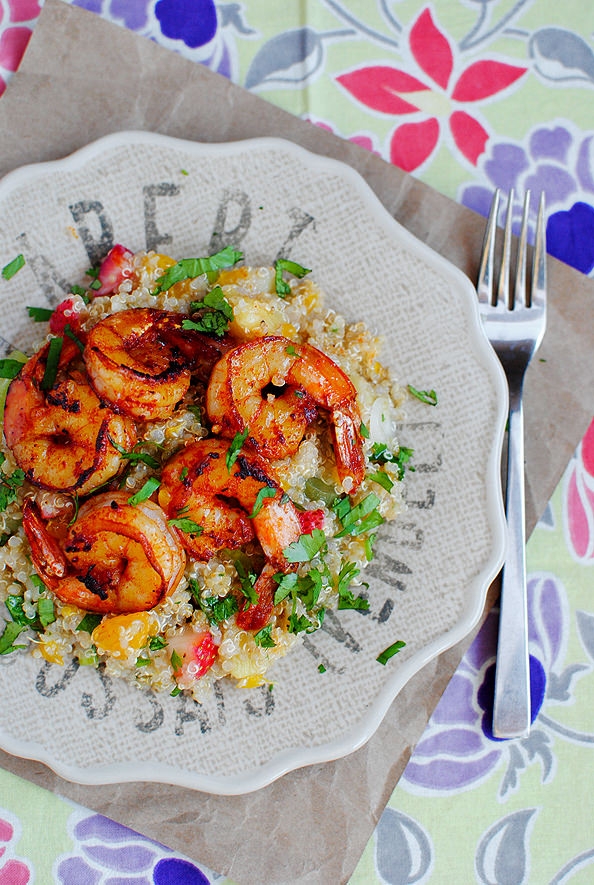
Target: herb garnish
x=143, y=494
x=40, y=314
x=217, y=315
x=9, y=483
x=89, y=622
x=426, y=396
x=156, y=643
x=306, y=547
x=53, y=361
x=235, y=448
x=8, y=636
x=390, y=651
x=346, y=597
x=134, y=456
x=186, y=525
x=189, y=268
x=263, y=637
x=265, y=492
x=358, y=518
x=382, y=455
x=13, y=267
x=282, y=288
x=382, y=479
x=247, y=580
x=10, y=367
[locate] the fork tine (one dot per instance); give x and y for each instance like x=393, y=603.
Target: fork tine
x=539, y=264
x=520, y=292
x=484, y=285
x=503, y=291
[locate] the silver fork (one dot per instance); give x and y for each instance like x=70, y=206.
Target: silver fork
x=515, y=323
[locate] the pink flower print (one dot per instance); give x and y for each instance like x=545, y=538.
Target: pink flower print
x=13, y=43
x=578, y=504
x=12, y=871
x=23, y=10
x=436, y=97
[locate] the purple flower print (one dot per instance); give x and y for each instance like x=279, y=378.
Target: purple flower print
x=458, y=749
x=559, y=160
x=107, y=852
x=192, y=21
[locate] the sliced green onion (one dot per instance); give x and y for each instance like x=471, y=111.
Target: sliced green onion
x=13, y=267
x=390, y=651
x=52, y=363
x=143, y=494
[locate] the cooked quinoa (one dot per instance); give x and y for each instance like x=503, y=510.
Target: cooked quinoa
x=139, y=646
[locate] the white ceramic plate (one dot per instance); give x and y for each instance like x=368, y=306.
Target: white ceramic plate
x=427, y=584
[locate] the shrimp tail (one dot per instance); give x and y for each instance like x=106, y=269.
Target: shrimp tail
x=46, y=553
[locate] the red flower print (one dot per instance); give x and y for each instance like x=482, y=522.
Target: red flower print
x=12, y=871
x=578, y=504
x=396, y=92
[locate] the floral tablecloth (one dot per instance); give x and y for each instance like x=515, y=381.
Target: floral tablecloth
x=466, y=95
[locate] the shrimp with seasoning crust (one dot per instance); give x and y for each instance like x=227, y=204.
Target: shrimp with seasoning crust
x=116, y=557
x=231, y=505
x=141, y=360
x=272, y=388
x=61, y=437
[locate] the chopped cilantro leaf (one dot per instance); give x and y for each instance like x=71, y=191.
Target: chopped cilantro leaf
x=13, y=267
x=176, y=660
x=89, y=622
x=306, y=547
x=52, y=363
x=247, y=579
x=9, y=485
x=346, y=598
x=390, y=651
x=382, y=479
x=425, y=396
x=265, y=492
x=218, y=608
x=186, y=525
x=10, y=367
x=358, y=518
x=142, y=662
x=156, y=643
x=235, y=447
x=8, y=636
x=189, y=268
x=39, y=314
x=321, y=668
x=282, y=288
x=263, y=637
x=143, y=494
x=381, y=454
x=133, y=456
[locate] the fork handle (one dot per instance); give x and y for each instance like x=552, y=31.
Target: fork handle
x=511, y=709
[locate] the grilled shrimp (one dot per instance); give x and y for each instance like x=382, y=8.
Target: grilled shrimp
x=140, y=361
x=231, y=506
x=114, y=558
x=61, y=437
x=303, y=378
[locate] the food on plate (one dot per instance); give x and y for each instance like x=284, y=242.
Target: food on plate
x=194, y=467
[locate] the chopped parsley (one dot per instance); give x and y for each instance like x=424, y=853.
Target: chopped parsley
x=282, y=288
x=425, y=396
x=189, y=268
x=235, y=448
x=390, y=651
x=361, y=517
x=13, y=267
x=143, y=494
x=217, y=315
